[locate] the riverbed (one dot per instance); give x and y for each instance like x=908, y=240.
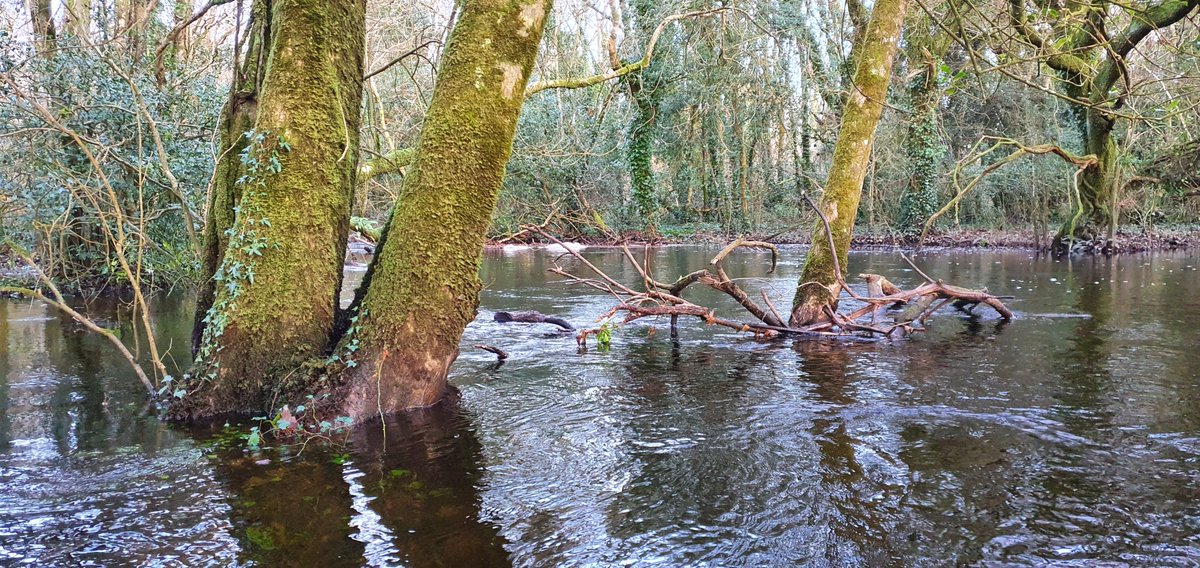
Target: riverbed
x=1070, y=435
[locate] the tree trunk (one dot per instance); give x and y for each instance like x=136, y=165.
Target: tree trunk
x=278, y=282
x=237, y=119
x=818, y=288
x=1093, y=209
x=645, y=89
x=423, y=287
x=924, y=148
x=43, y=27
x=78, y=18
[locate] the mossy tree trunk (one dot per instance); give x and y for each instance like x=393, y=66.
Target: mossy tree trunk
x=237, y=118
x=1096, y=184
x=923, y=143
x=818, y=288
x=278, y=280
x=645, y=91
x=423, y=287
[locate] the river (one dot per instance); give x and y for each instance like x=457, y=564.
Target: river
x=1070, y=435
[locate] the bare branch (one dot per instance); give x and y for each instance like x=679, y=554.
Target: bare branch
x=581, y=82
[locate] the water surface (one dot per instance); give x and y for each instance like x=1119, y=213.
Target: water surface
x=1069, y=436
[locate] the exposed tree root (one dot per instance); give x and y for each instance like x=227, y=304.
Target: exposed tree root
x=657, y=299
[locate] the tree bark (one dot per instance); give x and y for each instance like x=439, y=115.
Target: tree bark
x=423, y=287
x=818, y=288
x=645, y=90
x=924, y=146
x=78, y=19
x=43, y=27
x=237, y=119
x=279, y=278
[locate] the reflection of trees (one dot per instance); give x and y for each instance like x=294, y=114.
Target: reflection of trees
x=288, y=512
x=407, y=493
x=79, y=417
x=424, y=471
x=859, y=522
x=681, y=399
x=1083, y=395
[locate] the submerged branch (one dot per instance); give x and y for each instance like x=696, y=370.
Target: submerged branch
x=58, y=303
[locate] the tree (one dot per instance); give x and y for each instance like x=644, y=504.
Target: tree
x=819, y=286
x=277, y=284
x=646, y=91
x=1091, y=63
x=923, y=142
x=78, y=18
x=423, y=287
x=43, y=27
x=236, y=120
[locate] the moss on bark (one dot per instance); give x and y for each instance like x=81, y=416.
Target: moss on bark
x=237, y=118
x=923, y=146
x=843, y=189
x=424, y=284
x=278, y=281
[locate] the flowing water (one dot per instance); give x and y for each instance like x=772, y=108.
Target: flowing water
x=1070, y=436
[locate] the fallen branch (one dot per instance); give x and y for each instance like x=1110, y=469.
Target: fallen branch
x=532, y=317
x=500, y=354
x=658, y=299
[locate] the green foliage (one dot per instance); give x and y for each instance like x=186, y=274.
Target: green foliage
x=260, y=159
x=52, y=199
x=604, y=335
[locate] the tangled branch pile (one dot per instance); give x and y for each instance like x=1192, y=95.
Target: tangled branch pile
x=907, y=310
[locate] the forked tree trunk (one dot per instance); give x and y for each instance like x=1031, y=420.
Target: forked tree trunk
x=278, y=281
x=423, y=287
x=818, y=288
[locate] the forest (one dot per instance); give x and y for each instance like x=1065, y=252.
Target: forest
x=284, y=222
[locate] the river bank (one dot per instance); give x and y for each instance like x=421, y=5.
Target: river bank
x=1126, y=241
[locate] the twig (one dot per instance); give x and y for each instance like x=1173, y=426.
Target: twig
x=914, y=267
x=770, y=305
x=414, y=51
